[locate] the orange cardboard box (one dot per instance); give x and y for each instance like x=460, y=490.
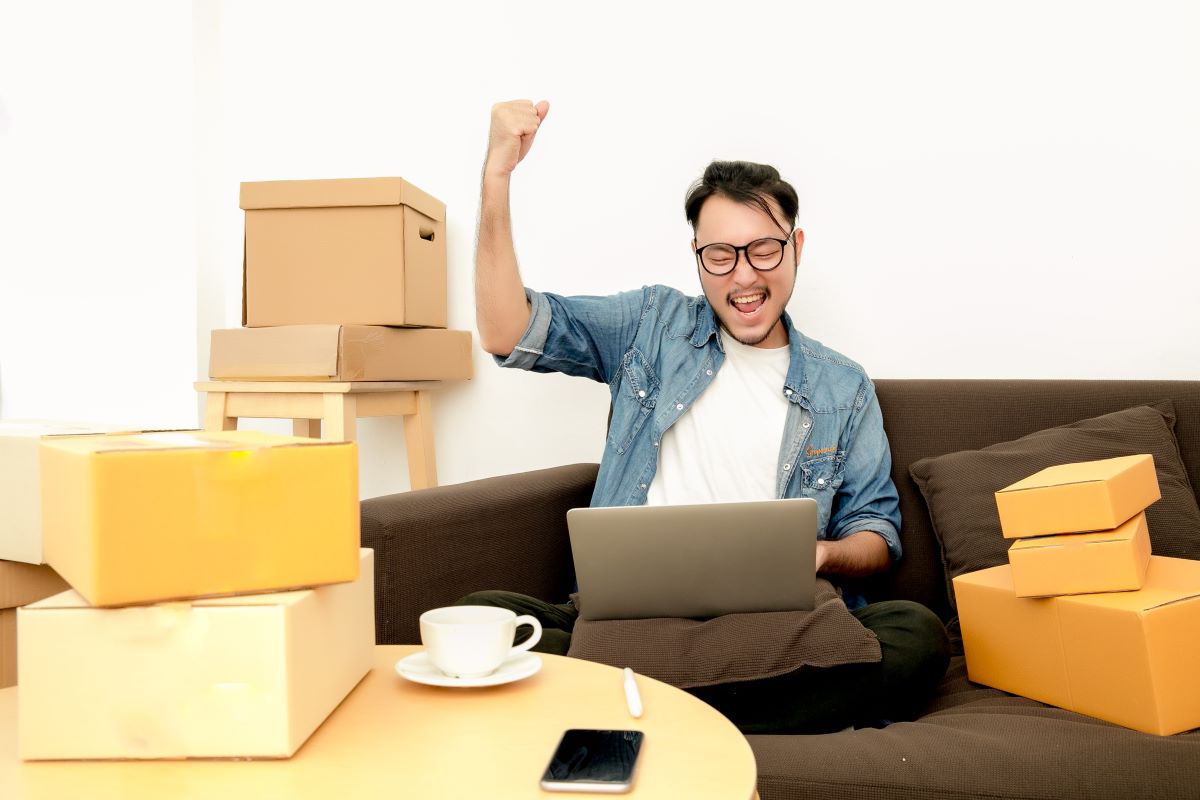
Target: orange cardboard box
x=140, y=518
x=1130, y=658
x=1076, y=498
x=366, y=251
x=340, y=353
x=230, y=677
x=1082, y=563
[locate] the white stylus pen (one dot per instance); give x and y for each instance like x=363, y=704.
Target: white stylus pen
x=633, y=698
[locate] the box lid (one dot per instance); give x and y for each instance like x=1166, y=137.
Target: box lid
x=178, y=440
x=310, y=351
x=72, y=598
x=1168, y=581
x=333, y=192
x=1122, y=533
x=37, y=428
x=1082, y=472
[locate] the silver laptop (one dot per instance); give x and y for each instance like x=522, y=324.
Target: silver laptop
x=694, y=561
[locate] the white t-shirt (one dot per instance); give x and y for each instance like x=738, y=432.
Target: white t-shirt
x=726, y=447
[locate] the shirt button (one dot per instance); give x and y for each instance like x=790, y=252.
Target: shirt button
x=820, y=481
x=708, y=372
x=656, y=444
x=679, y=406
x=786, y=467
x=641, y=393
x=805, y=425
x=788, y=392
x=643, y=486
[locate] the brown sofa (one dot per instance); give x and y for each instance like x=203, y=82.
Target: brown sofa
x=509, y=532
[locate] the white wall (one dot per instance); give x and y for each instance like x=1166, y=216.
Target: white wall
x=97, y=242
x=999, y=190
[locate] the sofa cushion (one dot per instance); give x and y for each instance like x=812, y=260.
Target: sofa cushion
x=976, y=742
x=732, y=648
x=959, y=488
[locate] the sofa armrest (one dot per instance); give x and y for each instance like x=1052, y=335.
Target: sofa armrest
x=432, y=546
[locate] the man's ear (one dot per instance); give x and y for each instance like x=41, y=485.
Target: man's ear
x=798, y=242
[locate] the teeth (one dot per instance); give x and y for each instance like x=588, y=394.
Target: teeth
x=748, y=298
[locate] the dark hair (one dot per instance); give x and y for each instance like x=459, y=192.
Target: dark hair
x=747, y=183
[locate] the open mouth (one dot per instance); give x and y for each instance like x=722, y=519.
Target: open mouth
x=748, y=303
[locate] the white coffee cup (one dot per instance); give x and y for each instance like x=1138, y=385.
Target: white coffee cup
x=472, y=641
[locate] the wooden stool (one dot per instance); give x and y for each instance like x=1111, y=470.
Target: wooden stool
x=337, y=405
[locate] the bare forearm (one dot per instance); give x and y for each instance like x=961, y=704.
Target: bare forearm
x=855, y=556
x=501, y=310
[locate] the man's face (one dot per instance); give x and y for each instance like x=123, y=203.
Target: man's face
x=748, y=302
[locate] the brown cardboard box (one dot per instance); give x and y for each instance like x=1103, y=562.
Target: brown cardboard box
x=231, y=677
x=1076, y=498
x=340, y=353
x=138, y=518
x=367, y=251
x=20, y=584
x=1082, y=563
x=8, y=647
x=20, y=482
x=1130, y=658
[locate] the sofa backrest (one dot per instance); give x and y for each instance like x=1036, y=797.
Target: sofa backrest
x=933, y=417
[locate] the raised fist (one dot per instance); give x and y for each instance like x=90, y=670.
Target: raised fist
x=514, y=124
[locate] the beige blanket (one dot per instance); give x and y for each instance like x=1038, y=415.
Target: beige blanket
x=732, y=648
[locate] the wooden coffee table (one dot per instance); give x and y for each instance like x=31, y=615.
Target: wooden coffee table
x=394, y=739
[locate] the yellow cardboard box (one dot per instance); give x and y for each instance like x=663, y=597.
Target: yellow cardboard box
x=159, y=516
x=363, y=251
x=20, y=583
x=340, y=353
x=230, y=677
x=1130, y=658
x=1082, y=563
x=1076, y=498
x=20, y=492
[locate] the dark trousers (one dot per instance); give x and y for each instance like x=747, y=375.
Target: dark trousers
x=810, y=699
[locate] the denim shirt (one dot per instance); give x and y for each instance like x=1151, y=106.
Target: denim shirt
x=658, y=349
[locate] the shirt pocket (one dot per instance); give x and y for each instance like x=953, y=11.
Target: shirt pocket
x=633, y=401
x=824, y=473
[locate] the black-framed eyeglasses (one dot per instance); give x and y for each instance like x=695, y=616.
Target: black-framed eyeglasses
x=763, y=254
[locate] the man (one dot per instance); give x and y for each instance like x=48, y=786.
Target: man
x=720, y=398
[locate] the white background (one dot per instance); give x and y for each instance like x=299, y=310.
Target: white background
x=988, y=189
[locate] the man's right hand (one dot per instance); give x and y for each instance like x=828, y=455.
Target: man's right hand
x=514, y=124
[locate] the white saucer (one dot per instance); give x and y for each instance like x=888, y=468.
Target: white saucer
x=419, y=669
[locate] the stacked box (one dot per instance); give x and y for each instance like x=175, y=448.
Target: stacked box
x=23, y=576
x=183, y=641
x=1125, y=657
x=1080, y=527
x=231, y=677
x=20, y=583
x=1083, y=616
x=20, y=483
x=146, y=517
x=344, y=280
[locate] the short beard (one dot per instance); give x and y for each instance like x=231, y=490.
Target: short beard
x=753, y=342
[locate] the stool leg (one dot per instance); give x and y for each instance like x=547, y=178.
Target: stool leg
x=307, y=427
x=418, y=440
x=214, y=413
x=341, y=413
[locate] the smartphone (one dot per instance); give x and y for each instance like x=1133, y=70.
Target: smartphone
x=593, y=761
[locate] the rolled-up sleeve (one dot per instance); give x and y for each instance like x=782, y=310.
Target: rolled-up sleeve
x=867, y=499
x=580, y=335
